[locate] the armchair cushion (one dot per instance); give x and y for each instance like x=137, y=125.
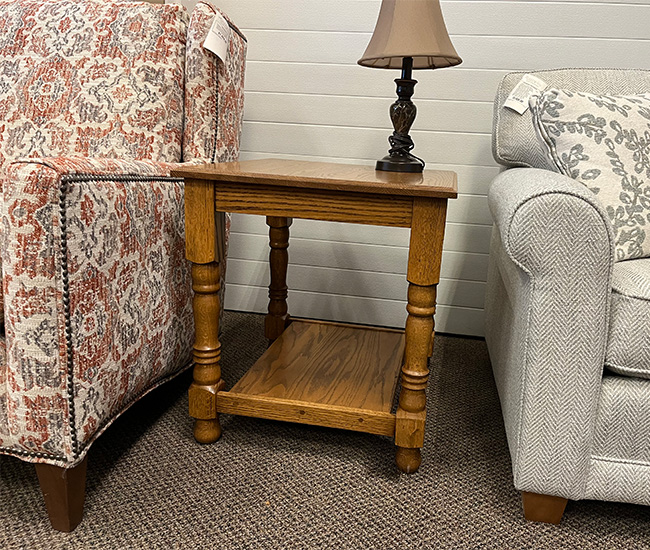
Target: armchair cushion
x=628, y=348
x=620, y=456
x=604, y=143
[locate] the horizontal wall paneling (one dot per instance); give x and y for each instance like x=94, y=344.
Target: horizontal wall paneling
x=354, y=309
x=606, y=18
x=357, y=256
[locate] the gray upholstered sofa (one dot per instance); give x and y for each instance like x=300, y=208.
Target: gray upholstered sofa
x=568, y=326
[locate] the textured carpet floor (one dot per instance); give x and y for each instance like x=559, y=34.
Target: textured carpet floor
x=275, y=485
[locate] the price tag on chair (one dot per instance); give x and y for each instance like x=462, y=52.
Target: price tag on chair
x=218, y=37
x=528, y=86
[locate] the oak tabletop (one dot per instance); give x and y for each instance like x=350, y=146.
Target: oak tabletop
x=325, y=175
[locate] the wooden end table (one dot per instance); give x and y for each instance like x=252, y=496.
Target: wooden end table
x=316, y=372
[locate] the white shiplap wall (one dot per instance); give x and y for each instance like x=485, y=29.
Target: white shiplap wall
x=307, y=99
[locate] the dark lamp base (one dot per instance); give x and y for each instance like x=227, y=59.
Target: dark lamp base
x=398, y=163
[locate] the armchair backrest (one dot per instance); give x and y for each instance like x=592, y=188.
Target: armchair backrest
x=116, y=79
x=92, y=78
x=214, y=92
x=514, y=142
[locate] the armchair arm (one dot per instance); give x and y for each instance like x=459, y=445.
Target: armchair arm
x=547, y=323
x=94, y=280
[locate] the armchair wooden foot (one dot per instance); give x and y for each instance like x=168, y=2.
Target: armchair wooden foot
x=64, y=491
x=545, y=508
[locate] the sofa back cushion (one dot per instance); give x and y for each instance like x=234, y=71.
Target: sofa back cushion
x=514, y=141
x=91, y=78
x=603, y=141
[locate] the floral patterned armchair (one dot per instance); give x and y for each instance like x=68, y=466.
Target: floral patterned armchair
x=98, y=101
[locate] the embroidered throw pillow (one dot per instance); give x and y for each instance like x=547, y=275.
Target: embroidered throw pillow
x=604, y=143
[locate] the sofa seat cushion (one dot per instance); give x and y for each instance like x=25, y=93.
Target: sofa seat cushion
x=92, y=79
x=628, y=346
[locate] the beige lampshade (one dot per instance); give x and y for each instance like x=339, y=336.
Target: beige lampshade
x=410, y=28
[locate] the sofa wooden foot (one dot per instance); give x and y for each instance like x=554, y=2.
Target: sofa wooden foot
x=64, y=491
x=545, y=508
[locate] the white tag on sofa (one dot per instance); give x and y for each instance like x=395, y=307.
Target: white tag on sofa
x=218, y=37
x=528, y=86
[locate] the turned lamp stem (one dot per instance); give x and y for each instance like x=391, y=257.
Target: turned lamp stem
x=402, y=115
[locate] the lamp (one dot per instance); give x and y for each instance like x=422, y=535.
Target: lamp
x=409, y=34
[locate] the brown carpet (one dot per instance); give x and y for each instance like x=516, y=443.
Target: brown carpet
x=275, y=485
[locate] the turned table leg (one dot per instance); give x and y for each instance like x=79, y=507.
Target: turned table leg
x=204, y=250
x=277, y=318
x=425, y=251
x=411, y=413
x=207, y=353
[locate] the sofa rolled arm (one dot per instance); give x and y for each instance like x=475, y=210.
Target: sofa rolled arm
x=513, y=189
x=553, y=251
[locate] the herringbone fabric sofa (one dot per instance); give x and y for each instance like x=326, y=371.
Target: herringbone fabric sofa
x=98, y=101
x=562, y=315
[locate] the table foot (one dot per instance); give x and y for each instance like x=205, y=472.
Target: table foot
x=207, y=431
x=408, y=460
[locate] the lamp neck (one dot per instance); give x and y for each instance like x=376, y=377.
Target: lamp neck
x=407, y=68
x=406, y=84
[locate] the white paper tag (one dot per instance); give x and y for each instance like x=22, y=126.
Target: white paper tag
x=528, y=86
x=218, y=37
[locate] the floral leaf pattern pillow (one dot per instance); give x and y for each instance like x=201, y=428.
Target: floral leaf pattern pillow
x=604, y=143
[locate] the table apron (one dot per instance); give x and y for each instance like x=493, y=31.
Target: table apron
x=315, y=204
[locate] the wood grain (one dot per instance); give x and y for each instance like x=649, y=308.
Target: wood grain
x=423, y=274
x=200, y=233
x=320, y=373
x=351, y=325
x=315, y=414
x=427, y=235
x=327, y=176
x=206, y=352
x=314, y=204
x=330, y=364
x=411, y=412
x=544, y=508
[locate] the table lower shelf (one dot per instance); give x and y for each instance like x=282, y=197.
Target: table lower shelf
x=324, y=374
